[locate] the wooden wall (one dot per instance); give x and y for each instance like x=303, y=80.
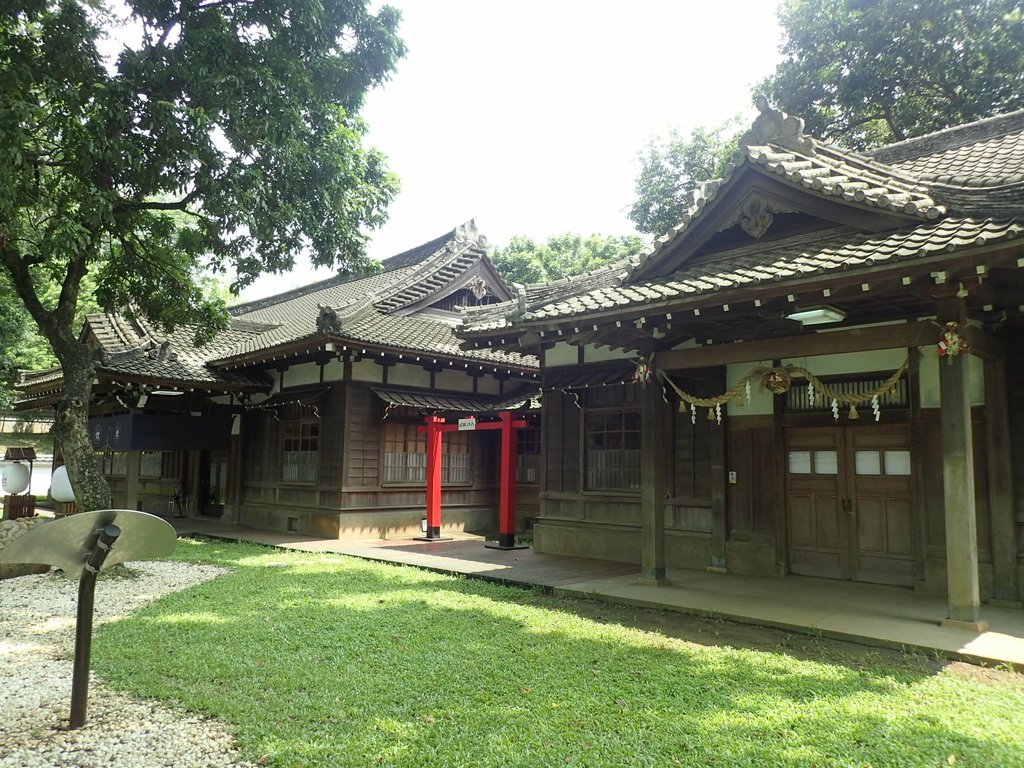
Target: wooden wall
x=348, y=499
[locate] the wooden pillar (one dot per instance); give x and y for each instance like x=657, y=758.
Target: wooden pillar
x=958, y=488
x=1000, y=483
x=719, y=488
x=507, y=489
x=433, y=430
x=653, y=482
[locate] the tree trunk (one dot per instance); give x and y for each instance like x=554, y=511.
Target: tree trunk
x=71, y=429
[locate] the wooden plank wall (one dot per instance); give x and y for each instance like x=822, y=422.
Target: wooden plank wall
x=753, y=448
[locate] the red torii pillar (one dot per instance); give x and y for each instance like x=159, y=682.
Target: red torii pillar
x=434, y=428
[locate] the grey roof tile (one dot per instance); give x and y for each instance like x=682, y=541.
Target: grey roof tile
x=818, y=253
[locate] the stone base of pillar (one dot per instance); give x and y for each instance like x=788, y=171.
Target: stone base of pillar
x=969, y=626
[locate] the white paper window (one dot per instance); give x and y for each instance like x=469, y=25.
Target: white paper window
x=897, y=462
x=800, y=462
x=826, y=463
x=868, y=463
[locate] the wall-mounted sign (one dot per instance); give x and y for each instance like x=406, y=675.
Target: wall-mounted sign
x=467, y=424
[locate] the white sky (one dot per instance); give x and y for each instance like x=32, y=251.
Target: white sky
x=528, y=116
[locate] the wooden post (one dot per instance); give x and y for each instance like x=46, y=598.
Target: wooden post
x=433, y=429
x=653, y=483
x=507, y=491
x=719, y=487
x=1000, y=483
x=958, y=487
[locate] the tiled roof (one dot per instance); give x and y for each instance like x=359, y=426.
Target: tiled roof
x=133, y=348
x=987, y=152
x=362, y=306
x=941, y=175
x=459, y=402
x=819, y=253
x=418, y=334
x=846, y=175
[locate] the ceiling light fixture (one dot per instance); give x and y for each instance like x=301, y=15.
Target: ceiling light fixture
x=818, y=315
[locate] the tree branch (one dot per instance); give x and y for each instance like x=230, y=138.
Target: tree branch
x=155, y=205
x=17, y=267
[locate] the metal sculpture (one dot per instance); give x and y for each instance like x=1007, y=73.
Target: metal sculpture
x=82, y=545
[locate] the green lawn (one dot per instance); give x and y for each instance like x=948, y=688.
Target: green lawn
x=330, y=661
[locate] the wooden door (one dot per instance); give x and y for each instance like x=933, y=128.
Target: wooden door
x=880, y=504
x=816, y=498
x=849, y=503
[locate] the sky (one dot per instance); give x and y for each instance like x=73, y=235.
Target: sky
x=528, y=116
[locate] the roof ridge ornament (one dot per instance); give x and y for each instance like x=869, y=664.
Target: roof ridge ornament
x=775, y=126
x=467, y=232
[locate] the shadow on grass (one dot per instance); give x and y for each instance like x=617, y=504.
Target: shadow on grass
x=323, y=660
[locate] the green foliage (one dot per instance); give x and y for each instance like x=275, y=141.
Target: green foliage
x=524, y=261
x=869, y=72
x=316, y=659
x=229, y=139
x=226, y=142
x=671, y=166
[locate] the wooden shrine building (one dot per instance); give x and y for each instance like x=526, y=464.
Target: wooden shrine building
x=819, y=371
x=306, y=414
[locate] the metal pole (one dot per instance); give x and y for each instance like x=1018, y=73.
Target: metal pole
x=83, y=627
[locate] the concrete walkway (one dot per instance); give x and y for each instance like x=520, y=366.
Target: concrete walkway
x=863, y=613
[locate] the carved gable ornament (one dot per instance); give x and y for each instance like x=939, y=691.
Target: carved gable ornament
x=478, y=287
x=756, y=216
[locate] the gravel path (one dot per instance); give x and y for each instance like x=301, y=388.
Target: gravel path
x=37, y=640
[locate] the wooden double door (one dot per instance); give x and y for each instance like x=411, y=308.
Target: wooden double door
x=849, y=503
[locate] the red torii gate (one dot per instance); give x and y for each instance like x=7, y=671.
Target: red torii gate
x=435, y=426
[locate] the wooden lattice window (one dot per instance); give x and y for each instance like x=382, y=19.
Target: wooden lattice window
x=405, y=456
x=114, y=463
x=528, y=455
x=300, y=444
x=613, y=449
x=898, y=396
x=151, y=463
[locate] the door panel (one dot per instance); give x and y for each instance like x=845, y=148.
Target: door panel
x=817, y=533
x=849, y=503
x=883, y=550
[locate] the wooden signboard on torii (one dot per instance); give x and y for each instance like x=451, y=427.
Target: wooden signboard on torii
x=435, y=426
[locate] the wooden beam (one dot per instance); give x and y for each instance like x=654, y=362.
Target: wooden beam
x=913, y=334
x=984, y=344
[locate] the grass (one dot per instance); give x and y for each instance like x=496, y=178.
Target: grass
x=320, y=660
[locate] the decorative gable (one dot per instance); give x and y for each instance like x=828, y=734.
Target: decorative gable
x=782, y=171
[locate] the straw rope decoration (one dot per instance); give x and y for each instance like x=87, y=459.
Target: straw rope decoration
x=778, y=380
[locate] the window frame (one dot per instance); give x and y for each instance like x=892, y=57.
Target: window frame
x=411, y=436
x=301, y=429
x=633, y=475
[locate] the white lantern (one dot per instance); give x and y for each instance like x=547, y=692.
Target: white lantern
x=60, y=485
x=15, y=478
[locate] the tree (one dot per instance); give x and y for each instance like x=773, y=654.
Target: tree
x=22, y=347
x=870, y=72
x=671, y=166
x=524, y=261
x=226, y=140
